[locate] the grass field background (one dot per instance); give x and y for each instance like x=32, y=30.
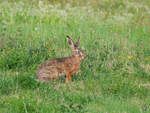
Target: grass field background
x=114, y=77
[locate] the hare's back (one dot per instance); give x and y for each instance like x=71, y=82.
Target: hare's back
x=46, y=65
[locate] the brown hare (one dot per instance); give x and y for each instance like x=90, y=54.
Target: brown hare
x=52, y=68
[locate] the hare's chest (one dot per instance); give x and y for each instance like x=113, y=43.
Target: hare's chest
x=74, y=68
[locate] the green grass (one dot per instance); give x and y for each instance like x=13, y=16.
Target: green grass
x=114, y=77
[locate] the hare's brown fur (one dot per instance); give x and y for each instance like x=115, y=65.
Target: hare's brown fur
x=53, y=68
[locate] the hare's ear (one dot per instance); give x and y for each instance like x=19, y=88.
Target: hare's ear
x=70, y=42
x=77, y=42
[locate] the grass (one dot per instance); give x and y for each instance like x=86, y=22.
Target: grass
x=114, y=77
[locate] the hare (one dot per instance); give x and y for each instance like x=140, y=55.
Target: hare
x=53, y=68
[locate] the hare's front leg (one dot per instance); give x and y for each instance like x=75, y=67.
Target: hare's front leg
x=68, y=78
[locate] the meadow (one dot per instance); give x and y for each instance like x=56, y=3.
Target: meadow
x=113, y=78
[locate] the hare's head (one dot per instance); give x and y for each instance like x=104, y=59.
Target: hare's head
x=75, y=50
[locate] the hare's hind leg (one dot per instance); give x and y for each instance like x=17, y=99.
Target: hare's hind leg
x=46, y=77
x=46, y=74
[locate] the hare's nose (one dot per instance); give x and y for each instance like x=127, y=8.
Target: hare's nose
x=83, y=57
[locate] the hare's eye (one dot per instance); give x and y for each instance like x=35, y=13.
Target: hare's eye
x=78, y=51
